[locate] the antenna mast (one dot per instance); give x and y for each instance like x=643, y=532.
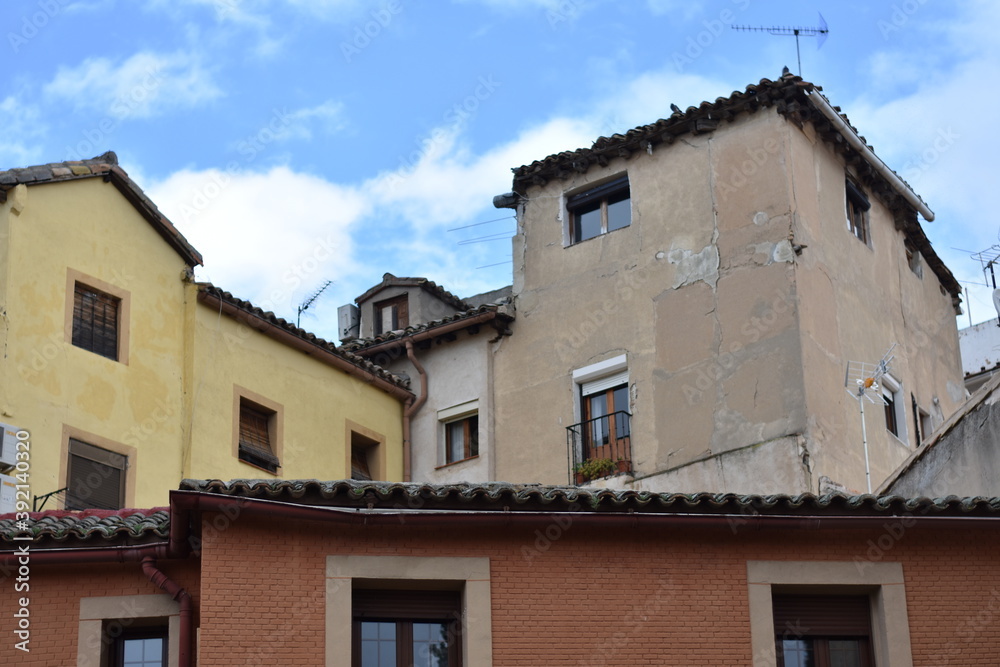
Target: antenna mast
x=820, y=32
x=309, y=300
x=861, y=381
x=989, y=259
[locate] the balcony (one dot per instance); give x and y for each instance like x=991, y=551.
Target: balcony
x=600, y=447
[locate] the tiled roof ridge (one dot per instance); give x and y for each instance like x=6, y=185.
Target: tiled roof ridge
x=63, y=525
x=281, y=323
x=400, y=334
x=389, y=280
x=105, y=165
x=502, y=496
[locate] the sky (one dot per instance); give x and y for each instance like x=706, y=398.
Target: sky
x=295, y=142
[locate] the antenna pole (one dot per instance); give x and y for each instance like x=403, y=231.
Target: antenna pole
x=798, y=54
x=864, y=439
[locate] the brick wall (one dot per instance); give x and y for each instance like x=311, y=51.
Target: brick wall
x=579, y=596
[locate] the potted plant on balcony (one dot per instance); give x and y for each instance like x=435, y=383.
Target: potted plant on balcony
x=623, y=465
x=593, y=469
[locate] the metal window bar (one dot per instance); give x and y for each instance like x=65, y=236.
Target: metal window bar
x=604, y=437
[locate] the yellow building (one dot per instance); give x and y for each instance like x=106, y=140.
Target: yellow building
x=126, y=376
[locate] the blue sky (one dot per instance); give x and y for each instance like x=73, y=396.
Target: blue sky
x=298, y=141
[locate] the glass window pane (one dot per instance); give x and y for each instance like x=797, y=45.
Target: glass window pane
x=845, y=653
x=588, y=224
x=619, y=214
x=798, y=653
x=456, y=441
x=430, y=645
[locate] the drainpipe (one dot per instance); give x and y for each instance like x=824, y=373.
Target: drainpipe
x=821, y=103
x=411, y=409
x=175, y=590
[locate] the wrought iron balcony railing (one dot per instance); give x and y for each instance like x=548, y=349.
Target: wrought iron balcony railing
x=600, y=447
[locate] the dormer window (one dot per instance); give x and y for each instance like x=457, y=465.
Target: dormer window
x=599, y=210
x=392, y=314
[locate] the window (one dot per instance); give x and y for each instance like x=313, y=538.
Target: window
x=913, y=259
x=828, y=609
x=599, y=210
x=95, y=477
x=418, y=628
x=462, y=439
x=813, y=630
x=604, y=431
x=392, y=314
x=895, y=415
x=97, y=316
x=136, y=647
x=129, y=631
x=857, y=212
x=258, y=428
x=381, y=578
x=365, y=453
x=925, y=424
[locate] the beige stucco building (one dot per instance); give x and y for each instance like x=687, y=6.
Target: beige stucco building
x=125, y=376
x=689, y=295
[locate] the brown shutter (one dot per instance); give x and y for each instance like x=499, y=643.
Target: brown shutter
x=437, y=605
x=403, y=313
x=255, y=441
x=95, y=477
x=805, y=615
x=95, y=321
x=359, y=464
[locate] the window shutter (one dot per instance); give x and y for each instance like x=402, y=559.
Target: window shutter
x=605, y=383
x=825, y=615
x=255, y=442
x=95, y=477
x=359, y=465
x=406, y=604
x=95, y=321
x=856, y=195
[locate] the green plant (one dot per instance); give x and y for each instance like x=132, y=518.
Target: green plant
x=594, y=468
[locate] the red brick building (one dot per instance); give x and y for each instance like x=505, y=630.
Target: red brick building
x=315, y=573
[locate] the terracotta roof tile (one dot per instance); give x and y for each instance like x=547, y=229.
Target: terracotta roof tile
x=389, y=280
x=63, y=525
x=270, y=318
x=105, y=165
x=503, y=310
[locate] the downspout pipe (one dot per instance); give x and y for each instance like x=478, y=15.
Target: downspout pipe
x=177, y=592
x=821, y=103
x=410, y=410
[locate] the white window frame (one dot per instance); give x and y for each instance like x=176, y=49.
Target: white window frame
x=893, y=389
x=448, y=416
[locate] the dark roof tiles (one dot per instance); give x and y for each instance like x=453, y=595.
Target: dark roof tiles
x=63, y=525
x=502, y=311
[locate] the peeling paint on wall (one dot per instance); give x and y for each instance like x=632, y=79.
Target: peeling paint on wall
x=692, y=267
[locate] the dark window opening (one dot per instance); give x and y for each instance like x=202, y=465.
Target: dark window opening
x=95, y=321
x=256, y=445
x=913, y=259
x=131, y=646
x=95, y=477
x=857, y=212
x=891, y=418
x=364, y=453
x=600, y=210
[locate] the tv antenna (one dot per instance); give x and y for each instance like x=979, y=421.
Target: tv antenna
x=862, y=381
x=820, y=33
x=309, y=300
x=988, y=259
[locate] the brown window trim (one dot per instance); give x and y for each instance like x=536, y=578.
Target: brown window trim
x=470, y=444
x=597, y=198
x=404, y=608
x=124, y=297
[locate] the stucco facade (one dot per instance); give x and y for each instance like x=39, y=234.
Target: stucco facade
x=736, y=294
x=166, y=403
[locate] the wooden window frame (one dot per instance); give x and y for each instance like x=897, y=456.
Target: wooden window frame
x=275, y=425
x=818, y=619
x=399, y=306
x=100, y=442
x=76, y=278
x=404, y=608
x=857, y=207
x=470, y=438
x=593, y=198
x=469, y=575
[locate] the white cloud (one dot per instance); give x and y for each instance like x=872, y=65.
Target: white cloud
x=329, y=116
x=144, y=85
x=270, y=237
x=20, y=133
